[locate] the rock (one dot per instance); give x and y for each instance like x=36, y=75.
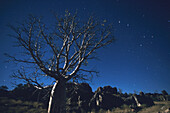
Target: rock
x=167, y=110
x=109, y=89
x=78, y=96
x=145, y=100
x=96, y=100
x=130, y=101
x=105, y=100
x=164, y=92
x=138, y=101
x=99, y=90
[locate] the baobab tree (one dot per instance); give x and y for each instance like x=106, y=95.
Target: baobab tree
x=60, y=51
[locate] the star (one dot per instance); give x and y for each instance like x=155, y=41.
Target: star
x=143, y=15
x=147, y=68
x=127, y=25
x=152, y=36
x=144, y=36
x=140, y=45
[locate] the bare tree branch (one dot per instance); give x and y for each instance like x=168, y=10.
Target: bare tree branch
x=60, y=53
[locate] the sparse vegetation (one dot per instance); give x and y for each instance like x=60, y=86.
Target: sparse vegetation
x=8, y=105
x=159, y=107
x=79, y=98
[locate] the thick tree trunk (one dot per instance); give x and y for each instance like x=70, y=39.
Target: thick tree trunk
x=57, y=102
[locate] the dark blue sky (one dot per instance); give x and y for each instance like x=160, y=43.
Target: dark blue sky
x=138, y=60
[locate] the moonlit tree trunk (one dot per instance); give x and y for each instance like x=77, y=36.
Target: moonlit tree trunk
x=57, y=98
x=60, y=52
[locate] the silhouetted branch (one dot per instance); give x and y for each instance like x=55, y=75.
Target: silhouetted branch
x=61, y=53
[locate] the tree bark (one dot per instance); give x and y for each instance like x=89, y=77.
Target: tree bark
x=57, y=102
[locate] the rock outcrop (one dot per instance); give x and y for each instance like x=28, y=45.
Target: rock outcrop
x=105, y=98
x=105, y=101
x=80, y=96
x=138, y=101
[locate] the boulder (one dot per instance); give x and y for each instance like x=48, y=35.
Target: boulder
x=130, y=101
x=138, y=101
x=144, y=100
x=105, y=100
x=109, y=89
x=99, y=90
x=78, y=96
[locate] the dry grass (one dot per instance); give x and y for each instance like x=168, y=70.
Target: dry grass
x=17, y=106
x=159, y=107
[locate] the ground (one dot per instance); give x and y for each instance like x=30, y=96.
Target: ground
x=17, y=106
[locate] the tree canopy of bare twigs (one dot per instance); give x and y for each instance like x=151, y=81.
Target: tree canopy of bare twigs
x=60, y=51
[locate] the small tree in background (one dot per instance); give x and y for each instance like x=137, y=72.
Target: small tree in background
x=141, y=93
x=60, y=52
x=120, y=91
x=3, y=88
x=164, y=92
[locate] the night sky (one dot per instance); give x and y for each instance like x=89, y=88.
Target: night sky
x=139, y=59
